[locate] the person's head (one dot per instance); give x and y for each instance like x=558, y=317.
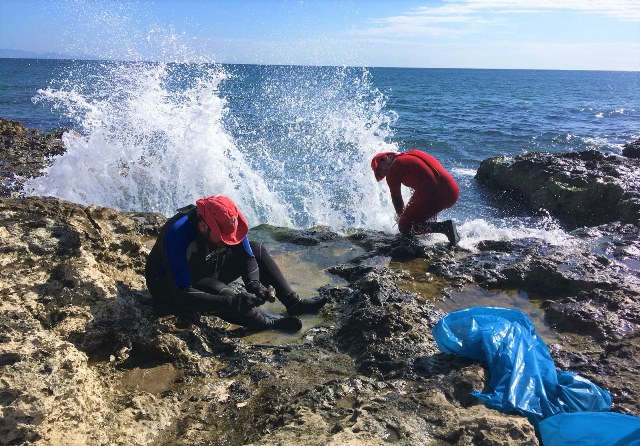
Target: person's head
x=381, y=162
x=220, y=221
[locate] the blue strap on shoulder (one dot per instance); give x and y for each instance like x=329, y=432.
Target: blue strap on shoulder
x=177, y=238
x=247, y=247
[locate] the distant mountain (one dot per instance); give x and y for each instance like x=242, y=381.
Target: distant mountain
x=17, y=54
x=22, y=54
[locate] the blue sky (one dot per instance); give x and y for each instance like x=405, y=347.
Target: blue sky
x=545, y=34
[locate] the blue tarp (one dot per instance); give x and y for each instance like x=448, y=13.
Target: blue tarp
x=522, y=376
x=590, y=429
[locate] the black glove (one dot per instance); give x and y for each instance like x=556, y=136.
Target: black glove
x=259, y=290
x=244, y=301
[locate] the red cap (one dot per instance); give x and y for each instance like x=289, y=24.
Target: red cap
x=223, y=218
x=374, y=164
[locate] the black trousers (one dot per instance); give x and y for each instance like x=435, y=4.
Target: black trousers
x=212, y=295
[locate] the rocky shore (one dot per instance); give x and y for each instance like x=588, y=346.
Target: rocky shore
x=23, y=152
x=87, y=357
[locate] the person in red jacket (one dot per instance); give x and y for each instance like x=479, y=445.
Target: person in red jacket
x=434, y=190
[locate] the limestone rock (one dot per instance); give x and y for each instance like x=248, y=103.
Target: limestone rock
x=580, y=188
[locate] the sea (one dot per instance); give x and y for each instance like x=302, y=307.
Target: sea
x=292, y=144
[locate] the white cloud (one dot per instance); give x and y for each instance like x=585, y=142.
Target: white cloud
x=623, y=9
x=446, y=19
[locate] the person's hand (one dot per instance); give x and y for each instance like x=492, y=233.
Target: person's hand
x=244, y=301
x=266, y=294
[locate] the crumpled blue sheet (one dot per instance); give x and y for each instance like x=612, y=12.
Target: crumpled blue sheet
x=590, y=429
x=522, y=376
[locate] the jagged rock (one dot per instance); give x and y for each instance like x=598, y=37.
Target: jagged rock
x=580, y=188
x=533, y=266
x=76, y=319
x=305, y=237
x=591, y=293
x=23, y=153
x=70, y=277
x=384, y=327
x=366, y=411
x=614, y=365
x=599, y=313
x=632, y=149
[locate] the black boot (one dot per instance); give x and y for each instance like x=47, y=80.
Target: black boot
x=287, y=323
x=447, y=228
x=296, y=306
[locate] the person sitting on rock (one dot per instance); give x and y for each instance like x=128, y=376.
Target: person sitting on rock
x=202, y=249
x=434, y=190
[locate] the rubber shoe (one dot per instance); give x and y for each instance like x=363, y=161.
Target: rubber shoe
x=287, y=323
x=306, y=306
x=451, y=231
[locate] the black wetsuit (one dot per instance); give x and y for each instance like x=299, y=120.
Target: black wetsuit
x=182, y=269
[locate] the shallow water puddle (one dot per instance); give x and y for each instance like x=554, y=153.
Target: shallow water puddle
x=474, y=296
x=437, y=292
x=304, y=268
x=631, y=263
x=277, y=337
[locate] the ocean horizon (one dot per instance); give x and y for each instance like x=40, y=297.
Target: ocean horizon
x=6, y=54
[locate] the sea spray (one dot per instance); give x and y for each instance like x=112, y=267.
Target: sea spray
x=547, y=229
x=126, y=31
x=155, y=136
x=312, y=132
x=151, y=138
x=291, y=146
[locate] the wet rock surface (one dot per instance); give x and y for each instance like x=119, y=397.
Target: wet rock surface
x=589, y=292
x=580, y=188
x=23, y=153
x=382, y=327
x=632, y=149
x=607, y=263
x=305, y=237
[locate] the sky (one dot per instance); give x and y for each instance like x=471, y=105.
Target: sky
x=521, y=34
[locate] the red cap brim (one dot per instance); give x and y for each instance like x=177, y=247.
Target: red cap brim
x=223, y=218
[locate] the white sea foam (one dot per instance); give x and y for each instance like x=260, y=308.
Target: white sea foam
x=602, y=143
x=474, y=231
x=616, y=112
x=318, y=131
x=459, y=171
x=143, y=146
x=154, y=137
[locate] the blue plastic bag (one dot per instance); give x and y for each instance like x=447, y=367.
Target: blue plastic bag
x=522, y=376
x=590, y=429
